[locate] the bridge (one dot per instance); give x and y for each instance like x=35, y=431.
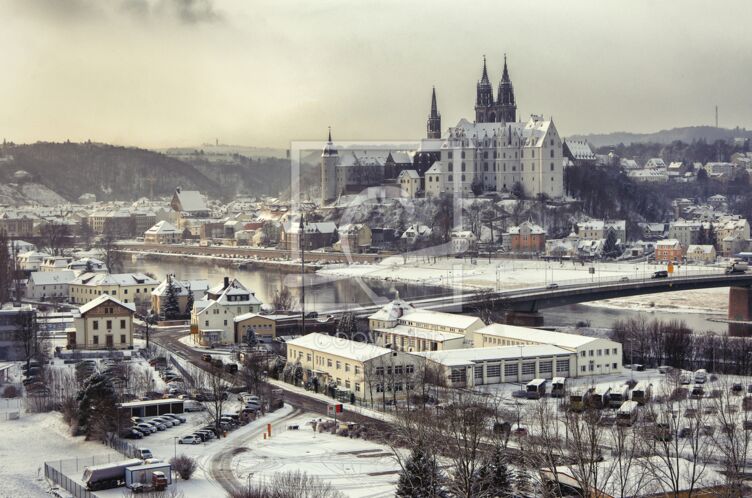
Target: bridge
x=521, y=306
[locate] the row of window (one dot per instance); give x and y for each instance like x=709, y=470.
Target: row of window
x=599, y=352
x=108, y=324
x=95, y=339
x=591, y=367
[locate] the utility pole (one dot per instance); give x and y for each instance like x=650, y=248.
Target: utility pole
x=301, y=241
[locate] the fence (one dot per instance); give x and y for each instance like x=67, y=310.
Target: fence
x=58, y=471
x=122, y=446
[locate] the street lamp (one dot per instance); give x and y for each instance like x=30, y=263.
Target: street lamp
x=175, y=444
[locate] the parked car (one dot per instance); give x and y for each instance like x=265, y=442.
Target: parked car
x=133, y=434
x=192, y=439
x=147, y=427
x=181, y=419
x=206, y=357
x=158, y=425
x=168, y=422
x=144, y=453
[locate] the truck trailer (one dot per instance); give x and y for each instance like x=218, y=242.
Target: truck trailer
x=108, y=475
x=142, y=473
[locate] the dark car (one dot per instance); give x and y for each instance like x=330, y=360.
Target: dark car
x=659, y=274
x=206, y=357
x=133, y=434
x=312, y=314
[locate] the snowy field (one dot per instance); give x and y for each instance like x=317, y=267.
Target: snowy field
x=464, y=275
x=354, y=467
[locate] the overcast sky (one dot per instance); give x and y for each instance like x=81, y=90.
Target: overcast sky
x=155, y=73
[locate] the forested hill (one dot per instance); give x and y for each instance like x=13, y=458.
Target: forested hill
x=685, y=134
x=110, y=172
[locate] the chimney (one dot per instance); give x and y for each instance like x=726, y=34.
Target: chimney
x=227, y=283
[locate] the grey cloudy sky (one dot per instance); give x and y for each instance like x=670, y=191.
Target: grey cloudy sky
x=182, y=72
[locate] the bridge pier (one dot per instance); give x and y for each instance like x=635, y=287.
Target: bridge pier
x=524, y=318
x=740, y=309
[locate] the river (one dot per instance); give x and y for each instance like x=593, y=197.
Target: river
x=324, y=293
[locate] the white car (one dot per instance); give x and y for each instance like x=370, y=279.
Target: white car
x=189, y=440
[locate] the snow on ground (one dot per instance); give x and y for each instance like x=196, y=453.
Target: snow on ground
x=354, y=467
x=509, y=274
x=30, y=441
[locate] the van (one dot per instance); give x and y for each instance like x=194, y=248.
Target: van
x=143, y=453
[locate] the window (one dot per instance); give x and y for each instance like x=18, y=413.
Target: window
x=308, y=356
x=329, y=363
x=590, y=352
x=122, y=324
x=462, y=167
x=552, y=153
x=357, y=369
x=339, y=365
x=493, y=370
x=562, y=366
x=409, y=369
x=347, y=384
x=615, y=367
x=95, y=325
x=458, y=375
x=398, y=370
x=379, y=371
x=95, y=339
x=528, y=368
x=582, y=368
x=206, y=324
x=545, y=367
x=600, y=352
x=109, y=324
x=379, y=388
x=582, y=353
x=479, y=371
x=122, y=338
x=339, y=381
x=552, y=166
x=450, y=178
x=614, y=350
x=347, y=367
x=125, y=291
x=511, y=370
x=357, y=387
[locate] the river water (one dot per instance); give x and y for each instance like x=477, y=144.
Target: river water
x=324, y=293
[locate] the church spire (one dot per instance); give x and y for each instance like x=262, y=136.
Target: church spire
x=484, y=76
x=505, y=74
x=484, y=100
x=433, y=125
x=330, y=134
x=505, y=103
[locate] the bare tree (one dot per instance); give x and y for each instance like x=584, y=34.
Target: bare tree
x=733, y=439
x=113, y=259
x=216, y=389
x=55, y=237
x=283, y=299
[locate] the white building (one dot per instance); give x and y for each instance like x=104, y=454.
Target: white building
x=163, y=233
x=103, y=323
x=498, y=155
x=212, y=319
x=593, y=355
x=49, y=285
x=409, y=183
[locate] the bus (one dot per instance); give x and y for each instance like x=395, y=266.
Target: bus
x=627, y=413
x=536, y=389
x=618, y=395
x=558, y=386
x=578, y=397
x=599, y=397
x=642, y=392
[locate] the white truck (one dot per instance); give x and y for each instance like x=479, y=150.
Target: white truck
x=108, y=475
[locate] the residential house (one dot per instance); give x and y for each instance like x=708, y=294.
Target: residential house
x=183, y=288
x=16, y=225
x=315, y=235
x=686, y=232
x=189, y=204
x=264, y=327
x=598, y=229
x=648, y=175
x=409, y=183
x=103, y=323
x=463, y=241
x=163, y=233
x=701, y=254
x=527, y=238
x=31, y=260
x=360, y=371
x=130, y=288
x=668, y=250
x=213, y=317
x=414, y=234
x=49, y=285
x=579, y=152
x=354, y=238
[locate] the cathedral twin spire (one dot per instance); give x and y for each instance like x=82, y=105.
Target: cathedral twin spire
x=503, y=108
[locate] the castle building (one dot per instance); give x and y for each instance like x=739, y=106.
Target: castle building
x=495, y=153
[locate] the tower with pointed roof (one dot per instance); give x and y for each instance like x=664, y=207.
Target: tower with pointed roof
x=329, y=159
x=485, y=111
x=506, y=107
x=433, y=126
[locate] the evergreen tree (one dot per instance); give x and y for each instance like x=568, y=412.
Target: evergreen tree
x=97, y=411
x=497, y=479
x=189, y=303
x=420, y=477
x=250, y=338
x=712, y=237
x=609, y=246
x=702, y=236
x=170, y=308
x=347, y=326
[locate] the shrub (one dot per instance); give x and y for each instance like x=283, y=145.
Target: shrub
x=10, y=392
x=184, y=465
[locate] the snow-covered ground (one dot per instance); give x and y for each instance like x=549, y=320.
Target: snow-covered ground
x=467, y=275
x=354, y=467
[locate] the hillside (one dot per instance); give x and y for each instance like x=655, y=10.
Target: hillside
x=685, y=134
x=110, y=172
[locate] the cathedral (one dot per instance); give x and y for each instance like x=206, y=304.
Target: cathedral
x=495, y=153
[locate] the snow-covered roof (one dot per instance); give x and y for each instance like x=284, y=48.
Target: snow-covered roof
x=464, y=357
x=667, y=243
x=234, y=288
x=320, y=227
x=162, y=228
x=191, y=200
x=439, y=318
x=534, y=229
x=96, y=279
x=393, y=310
x=580, y=150
x=420, y=333
x=103, y=299
x=410, y=173
x=358, y=351
x=52, y=277
x=181, y=287
x=559, y=339
x=705, y=249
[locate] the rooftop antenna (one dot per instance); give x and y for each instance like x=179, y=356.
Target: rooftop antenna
x=716, y=116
